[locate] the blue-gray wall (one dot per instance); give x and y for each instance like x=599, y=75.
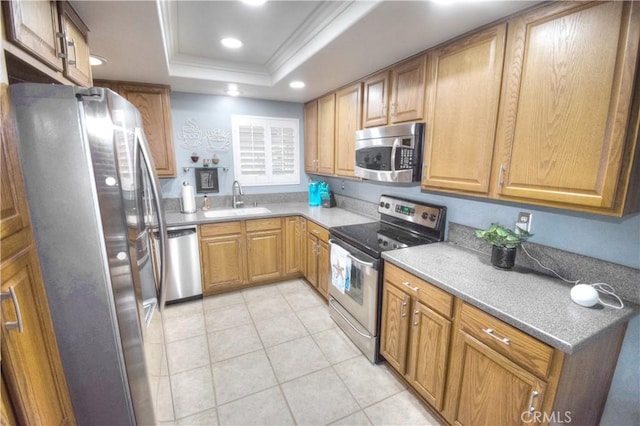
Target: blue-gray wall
x=615, y=240
x=214, y=112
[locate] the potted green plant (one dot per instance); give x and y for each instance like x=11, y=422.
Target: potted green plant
x=504, y=243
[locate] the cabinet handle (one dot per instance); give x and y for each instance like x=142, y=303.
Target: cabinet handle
x=489, y=331
x=16, y=306
x=500, y=181
x=534, y=395
x=403, y=312
x=384, y=110
x=415, y=318
x=74, y=61
x=393, y=109
x=409, y=286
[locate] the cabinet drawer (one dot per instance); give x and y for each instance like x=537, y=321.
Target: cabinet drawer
x=264, y=224
x=433, y=297
x=318, y=231
x=224, y=228
x=521, y=348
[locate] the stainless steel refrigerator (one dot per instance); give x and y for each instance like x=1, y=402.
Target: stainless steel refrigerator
x=94, y=198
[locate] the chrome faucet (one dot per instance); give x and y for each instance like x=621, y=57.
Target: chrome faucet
x=236, y=198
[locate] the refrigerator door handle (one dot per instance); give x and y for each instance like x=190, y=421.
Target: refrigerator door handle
x=162, y=227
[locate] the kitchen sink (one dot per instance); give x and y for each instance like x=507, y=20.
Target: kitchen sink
x=218, y=214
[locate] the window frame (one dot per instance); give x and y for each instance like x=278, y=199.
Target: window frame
x=269, y=178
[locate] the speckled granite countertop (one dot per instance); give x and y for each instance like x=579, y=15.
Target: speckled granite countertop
x=534, y=303
x=326, y=217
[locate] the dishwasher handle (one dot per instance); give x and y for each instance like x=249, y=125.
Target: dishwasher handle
x=176, y=233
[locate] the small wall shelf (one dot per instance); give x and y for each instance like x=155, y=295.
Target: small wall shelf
x=187, y=168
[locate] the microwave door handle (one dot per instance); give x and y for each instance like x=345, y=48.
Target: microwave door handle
x=394, y=149
x=155, y=189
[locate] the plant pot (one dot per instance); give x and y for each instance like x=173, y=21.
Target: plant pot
x=503, y=257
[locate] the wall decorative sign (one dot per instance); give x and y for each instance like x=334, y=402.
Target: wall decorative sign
x=193, y=136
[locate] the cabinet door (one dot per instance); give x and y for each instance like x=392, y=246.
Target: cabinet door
x=463, y=93
x=30, y=360
x=429, y=349
x=264, y=255
x=222, y=263
x=566, y=103
x=311, y=137
x=291, y=245
x=485, y=388
x=312, y=260
x=324, y=268
x=326, y=134
x=153, y=103
x=395, y=326
x=407, y=93
x=376, y=95
x=33, y=25
x=302, y=239
x=75, y=46
x=348, y=120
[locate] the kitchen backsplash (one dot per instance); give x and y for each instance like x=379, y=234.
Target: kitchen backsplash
x=572, y=266
x=221, y=201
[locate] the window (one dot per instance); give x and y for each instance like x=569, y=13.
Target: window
x=265, y=150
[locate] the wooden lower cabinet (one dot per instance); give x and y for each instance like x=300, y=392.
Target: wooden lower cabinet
x=223, y=258
x=264, y=249
x=474, y=369
x=317, y=265
x=239, y=254
x=415, y=337
x=292, y=245
x=487, y=388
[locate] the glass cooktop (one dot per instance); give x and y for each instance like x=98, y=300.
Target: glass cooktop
x=375, y=237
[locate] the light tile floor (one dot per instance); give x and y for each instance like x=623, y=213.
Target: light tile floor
x=271, y=355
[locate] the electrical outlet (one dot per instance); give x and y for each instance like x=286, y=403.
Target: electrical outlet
x=524, y=222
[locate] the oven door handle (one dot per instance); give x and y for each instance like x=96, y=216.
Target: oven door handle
x=368, y=336
x=355, y=259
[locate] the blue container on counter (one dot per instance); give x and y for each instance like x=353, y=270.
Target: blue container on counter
x=314, y=194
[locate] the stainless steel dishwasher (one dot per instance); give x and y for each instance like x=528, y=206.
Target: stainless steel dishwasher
x=183, y=269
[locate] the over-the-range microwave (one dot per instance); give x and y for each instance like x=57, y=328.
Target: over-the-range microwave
x=390, y=153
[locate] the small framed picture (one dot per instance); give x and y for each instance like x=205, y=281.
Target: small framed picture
x=206, y=180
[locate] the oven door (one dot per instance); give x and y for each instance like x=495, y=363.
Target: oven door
x=361, y=300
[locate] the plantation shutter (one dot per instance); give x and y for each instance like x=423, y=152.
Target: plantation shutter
x=265, y=150
x=252, y=150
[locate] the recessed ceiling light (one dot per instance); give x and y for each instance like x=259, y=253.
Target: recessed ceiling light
x=254, y=2
x=296, y=84
x=95, y=60
x=232, y=90
x=231, y=43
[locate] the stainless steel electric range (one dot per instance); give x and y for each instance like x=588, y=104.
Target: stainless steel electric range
x=355, y=304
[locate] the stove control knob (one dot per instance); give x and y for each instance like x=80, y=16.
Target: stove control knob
x=379, y=240
x=432, y=218
x=381, y=203
x=386, y=243
x=387, y=205
x=395, y=246
x=425, y=215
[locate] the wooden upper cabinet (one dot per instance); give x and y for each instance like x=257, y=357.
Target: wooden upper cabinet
x=152, y=100
x=463, y=95
x=566, y=106
x=311, y=137
x=407, y=90
x=348, y=120
x=376, y=99
x=75, y=45
x=50, y=37
x=326, y=134
x=34, y=27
